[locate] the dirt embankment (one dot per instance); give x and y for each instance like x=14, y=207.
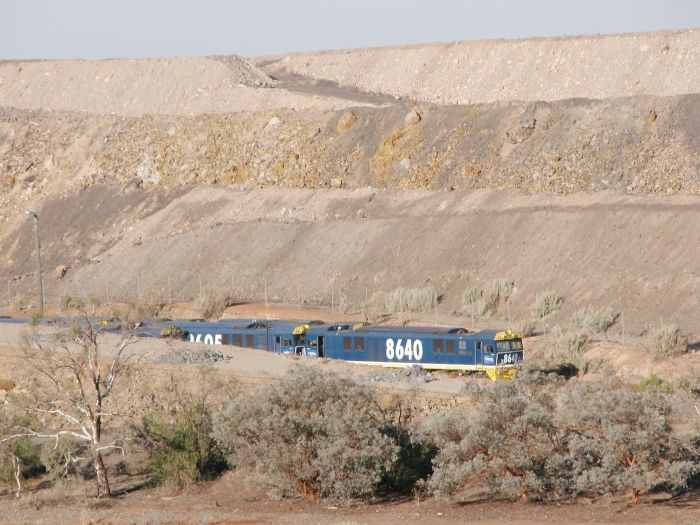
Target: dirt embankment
x=608, y=66
x=638, y=254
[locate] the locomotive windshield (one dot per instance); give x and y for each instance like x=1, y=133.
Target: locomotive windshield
x=507, y=346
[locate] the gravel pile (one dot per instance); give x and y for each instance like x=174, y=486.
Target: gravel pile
x=413, y=374
x=192, y=357
x=471, y=72
x=130, y=87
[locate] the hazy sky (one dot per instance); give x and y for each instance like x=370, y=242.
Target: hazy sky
x=138, y=28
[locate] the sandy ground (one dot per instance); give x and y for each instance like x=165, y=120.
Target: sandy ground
x=232, y=501
x=637, y=254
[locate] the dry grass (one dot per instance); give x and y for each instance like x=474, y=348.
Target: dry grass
x=213, y=301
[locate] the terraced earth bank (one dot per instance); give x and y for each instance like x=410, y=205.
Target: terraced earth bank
x=567, y=164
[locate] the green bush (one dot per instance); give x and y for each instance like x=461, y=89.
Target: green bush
x=314, y=434
x=539, y=438
x=656, y=383
x=181, y=449
x=27, y=453
x=413, y=464
x=410, y=300
x=177, y=432
x=594, y=320
x=668, y=341
x=19, y=453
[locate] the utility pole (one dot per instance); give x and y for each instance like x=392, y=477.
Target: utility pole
x=40, y=280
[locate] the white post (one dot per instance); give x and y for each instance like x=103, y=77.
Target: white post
x=623, y=328
x=544, y=326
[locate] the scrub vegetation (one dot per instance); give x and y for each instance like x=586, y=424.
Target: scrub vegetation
x=318, y=434
x=411, y=300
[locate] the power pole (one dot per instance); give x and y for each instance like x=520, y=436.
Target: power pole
x=40, y=280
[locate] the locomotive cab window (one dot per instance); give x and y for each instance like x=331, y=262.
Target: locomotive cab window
x=462, y=347
x=503, y=346
x=516, y=345
x=488, y=349
x=437, y=346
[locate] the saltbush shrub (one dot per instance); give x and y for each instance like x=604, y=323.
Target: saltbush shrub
x=410, y=300
x=470, y=296
x=540, y=438
x=668, y=341
x=314, y=434
x=213, y=301
x=622, y=441
x=510, y=443
x=593, y=319
x=566, y=347
x=525, y=327
x=496, y=293
x=546, y=302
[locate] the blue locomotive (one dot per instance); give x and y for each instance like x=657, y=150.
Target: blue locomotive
x=497, y=353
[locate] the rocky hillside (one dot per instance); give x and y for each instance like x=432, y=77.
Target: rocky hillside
x=569, y=164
